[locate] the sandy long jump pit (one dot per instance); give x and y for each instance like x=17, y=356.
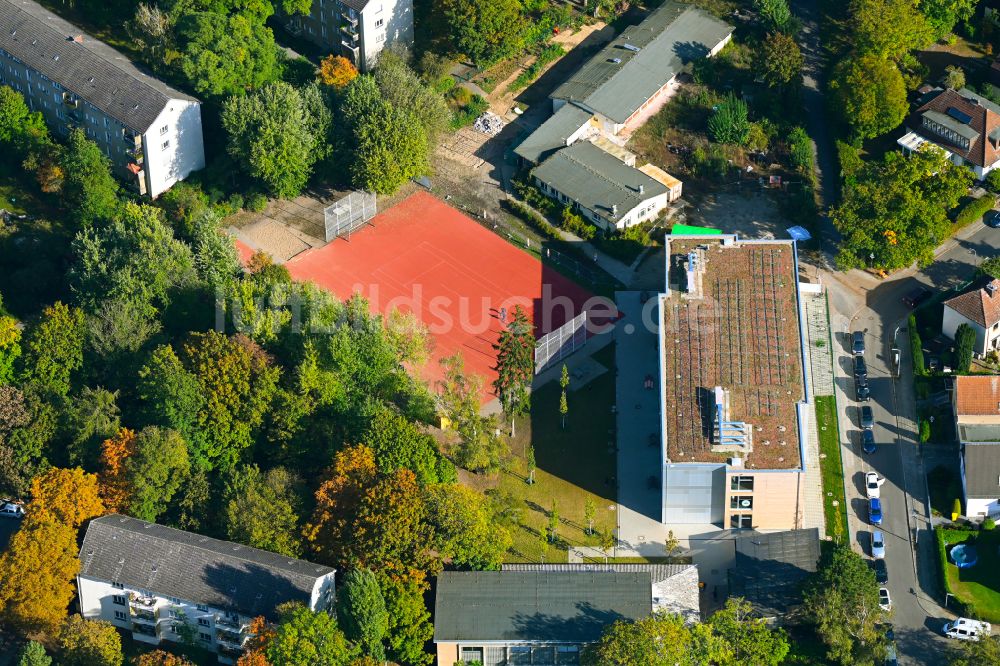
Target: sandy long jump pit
x=425, y=257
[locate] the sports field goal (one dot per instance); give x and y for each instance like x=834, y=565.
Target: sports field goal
x=347, y=215
x=560, y=343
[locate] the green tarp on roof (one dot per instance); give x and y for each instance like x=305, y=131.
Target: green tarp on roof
x=687, y=230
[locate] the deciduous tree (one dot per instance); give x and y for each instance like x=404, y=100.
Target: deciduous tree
x=775, y=13
x=33, y=654
x=155, y=471
x=991, y=267
x=89, y=419
x=389, y=144
x=463, y=527
x=160, y=658
x=403, y=89
x=171, y=395
x=660, y=640
x=362, y=613
x=305, y=638
x=336, y=71
x=484, y=31
x=262, y=509
x=897, y=209
x=53, y=348
x=872, y=94
x=480, y=447
x=10, y=348
x=65, y=496
x=338, y=499
x=780, y=59
x=114, y=487
x=391, y=532
x=409, y=620
x=37, y=574
x=226, y=54
x=887, y=29
x=278, y=132
x=751, y=640
x=843, y=601
x=89, y=643
x=88, y=188
x=398, y=444
x=943, y=15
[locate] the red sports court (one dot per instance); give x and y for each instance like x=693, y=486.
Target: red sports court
x=424, y=256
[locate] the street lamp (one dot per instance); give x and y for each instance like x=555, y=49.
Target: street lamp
x=975, y=254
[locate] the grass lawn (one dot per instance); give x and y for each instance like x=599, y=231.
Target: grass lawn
x=572, y=464
x=831, y=466
x=979, y=586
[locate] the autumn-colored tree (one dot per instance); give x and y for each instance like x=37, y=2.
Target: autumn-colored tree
x=253, y=658
x=113, y=484
x=391, y=532
x=161, y=658
x=89, y=643
x=337, y=500
x=36, y=575
x=65, y=496
x=261, y=634
x=336, y=71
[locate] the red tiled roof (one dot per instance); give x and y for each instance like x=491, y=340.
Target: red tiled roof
x=978, y=305
x=977, y=395
x=984, y=120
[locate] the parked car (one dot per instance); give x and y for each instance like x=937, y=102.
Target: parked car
x=859, y=343
x=965, y=629
x=875, y=511
x=881, y=572
x=916, y=297
x=884, y=600
x=11, y=509
x=992, y=218
x=878, y=545
x=860, y=369
x=867, y=417
x=864, y=391
x=873, y=484
x=868, y=441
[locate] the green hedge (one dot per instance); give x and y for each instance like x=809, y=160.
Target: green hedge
x=525, y=214
x=916, y=348
x=548, y=54
x=974, y=210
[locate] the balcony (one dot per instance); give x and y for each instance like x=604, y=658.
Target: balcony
x=140, y=602
x=350, y=32
x=231, y=640
x=230, y=624
x=352, y=20
x=143, y=617
x=70, y=101
x=351, y=50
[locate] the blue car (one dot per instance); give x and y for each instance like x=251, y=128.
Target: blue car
x=875, y=511
x=868, y=441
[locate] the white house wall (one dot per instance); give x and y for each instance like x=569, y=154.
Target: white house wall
x=952, y=320
x=173, y=146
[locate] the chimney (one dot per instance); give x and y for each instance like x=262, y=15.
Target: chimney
x=991, y=288
x=614, y=209
x=642, y=188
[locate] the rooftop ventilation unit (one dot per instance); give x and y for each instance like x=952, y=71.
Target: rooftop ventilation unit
x=631, y=47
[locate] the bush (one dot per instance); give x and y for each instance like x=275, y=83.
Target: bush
x=925, y=431
x=468, y=113
x=974, y=210
x=548, y=54
x=525, y=214
x=445, y=84
x=992, y=180
x=729, y=122
x=460, y=96
x=989, y=524
x=534, y=197
x=575, y=224
x=256, y=202
x=800, y=150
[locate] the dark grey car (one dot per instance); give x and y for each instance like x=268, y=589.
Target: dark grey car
x=858, y=345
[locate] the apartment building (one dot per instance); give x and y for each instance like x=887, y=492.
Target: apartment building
x=733, y=384
x=151, y=133
x=163, y=584
x=356, y=29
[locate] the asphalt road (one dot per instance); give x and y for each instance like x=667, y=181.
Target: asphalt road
x=910, y=552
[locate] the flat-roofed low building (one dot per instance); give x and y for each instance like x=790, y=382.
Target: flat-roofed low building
x=149, y=131
x=734, y=388
x=496, y=618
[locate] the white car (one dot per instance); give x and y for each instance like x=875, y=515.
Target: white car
x=965, y=629
x=878, y=545
x=873, y=484
x=884, y=601
x=10, y=509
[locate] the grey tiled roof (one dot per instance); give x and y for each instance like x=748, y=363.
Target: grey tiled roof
x=982, y=471
x=668, y=39
x=174, y=563
x=570, y=607
x=552, y=134
x=89, y=68
x=597, y=180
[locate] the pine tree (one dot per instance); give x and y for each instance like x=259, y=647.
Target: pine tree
x=515, y=366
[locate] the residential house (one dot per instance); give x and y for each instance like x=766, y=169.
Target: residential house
x=980, y=309
x=770, y=568
x=355, y=29
x=963, y=124
x=610, y=96
x=976, y=402
x=151, y=132
x=734, y=384
x=544, y=618
x=162, y=584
